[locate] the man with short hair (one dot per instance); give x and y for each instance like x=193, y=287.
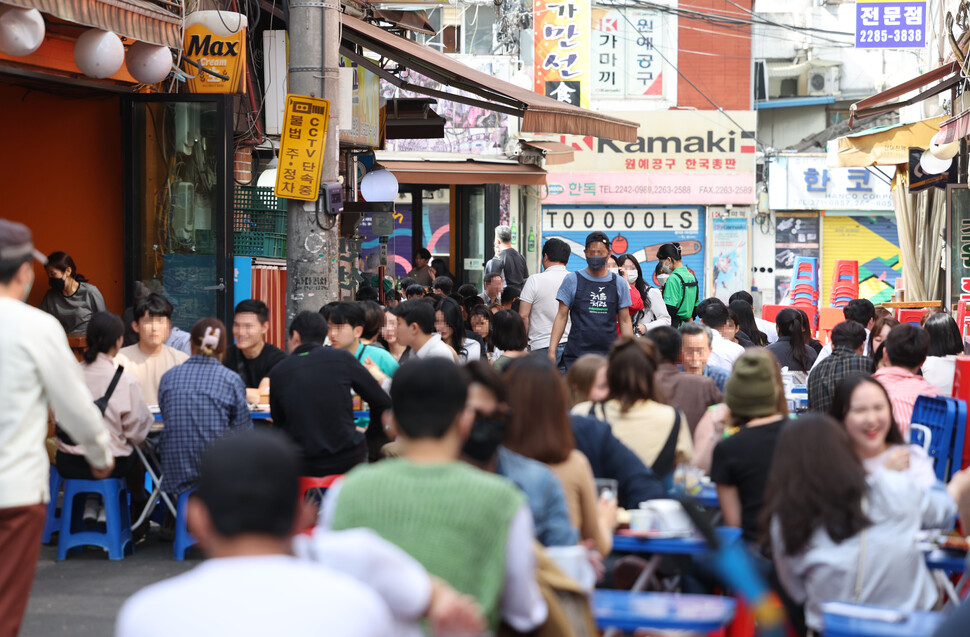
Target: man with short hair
x=906, y=346
x=149, y=358
x=714, y=314
x=252, y=357
x=848, y=344
x=689, y=393
x=415, y=329
x=442, y=285
x=696, y=343
x=421, y=272
x=537, y=303
x=346, y=326
x=426, y=500
x=493, y=288
x=507, y=261
x=244, y=515
x=595, y=300
x=509, y=296
x=768, y=327
x=860, y=311
x=312, y=402
x=37, y=369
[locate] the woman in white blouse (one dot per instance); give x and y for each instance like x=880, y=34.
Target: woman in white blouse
x=654, y=312
x=945, y=345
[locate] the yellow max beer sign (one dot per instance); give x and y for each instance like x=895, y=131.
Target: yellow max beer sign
x=225, y=55
x=301, y=147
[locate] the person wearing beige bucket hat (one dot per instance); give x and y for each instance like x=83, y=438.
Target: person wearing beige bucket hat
x=741, y=463
x=37, y=368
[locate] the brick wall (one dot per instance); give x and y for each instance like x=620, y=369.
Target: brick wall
x=715, y=57
x=243, y=165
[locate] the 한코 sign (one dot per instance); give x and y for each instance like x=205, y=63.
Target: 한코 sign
x=890, y=24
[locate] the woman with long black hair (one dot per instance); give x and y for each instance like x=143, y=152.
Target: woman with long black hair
x=838, y=534
x=450, y=325
x=747, y=324
x=654, y=312
x=792, y=349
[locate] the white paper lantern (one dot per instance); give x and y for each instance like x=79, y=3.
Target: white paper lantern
x=21, y=30
x=379, y=185
x=99, y=54
x=148, y=63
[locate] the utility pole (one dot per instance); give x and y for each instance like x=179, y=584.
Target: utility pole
x=312, y=278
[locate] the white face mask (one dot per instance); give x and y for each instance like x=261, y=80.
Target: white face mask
x=631, y=276
x=662, y=278
x=614, y=270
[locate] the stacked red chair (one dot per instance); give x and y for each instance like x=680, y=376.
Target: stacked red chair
x=845, y=283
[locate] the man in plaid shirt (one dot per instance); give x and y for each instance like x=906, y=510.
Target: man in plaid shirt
x=848, y=341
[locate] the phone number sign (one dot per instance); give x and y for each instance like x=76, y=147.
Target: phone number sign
x=889, y=24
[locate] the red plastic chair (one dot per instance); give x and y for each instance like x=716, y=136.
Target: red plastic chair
x=913, y=316
x=770, y=312
x=311, y=482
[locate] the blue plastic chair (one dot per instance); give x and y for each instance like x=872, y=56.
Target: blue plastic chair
x=53, y=521
x=183, y=539
x=938, y=427
x=116, y=537
x=629, y=612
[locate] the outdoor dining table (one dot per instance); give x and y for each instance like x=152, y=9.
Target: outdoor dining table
x=628, y=611
x=912, y=624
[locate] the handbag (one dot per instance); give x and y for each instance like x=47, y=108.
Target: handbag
x=100, y=403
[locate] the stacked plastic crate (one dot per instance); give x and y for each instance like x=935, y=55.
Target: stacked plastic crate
x=258, y=223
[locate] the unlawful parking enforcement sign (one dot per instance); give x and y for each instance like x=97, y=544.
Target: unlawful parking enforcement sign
x=890, y=24
x=301, y=147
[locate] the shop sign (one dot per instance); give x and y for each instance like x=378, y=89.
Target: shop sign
x=562, y=33
x=625, y=59
x=679, y=157
x=805, y=182
x=889, y=24
x=222, y=53
x=637, y=230
x=958, y=201
x=365, y=124
x=301, y=147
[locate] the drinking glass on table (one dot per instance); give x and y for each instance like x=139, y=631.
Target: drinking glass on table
x=607, y=488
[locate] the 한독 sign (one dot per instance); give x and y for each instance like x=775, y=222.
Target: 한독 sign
x=301, y=147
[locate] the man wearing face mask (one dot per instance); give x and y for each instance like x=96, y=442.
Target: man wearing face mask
x=36, y=368
x=680, y=290
x=594, y=299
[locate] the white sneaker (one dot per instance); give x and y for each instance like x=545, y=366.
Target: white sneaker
x=91, y=506
x=102, y=518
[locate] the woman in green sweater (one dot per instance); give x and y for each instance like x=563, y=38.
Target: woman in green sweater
x=680, y=292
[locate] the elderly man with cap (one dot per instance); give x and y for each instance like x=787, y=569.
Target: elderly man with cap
x=37, y=369
x=592, y=299
x=741, y=463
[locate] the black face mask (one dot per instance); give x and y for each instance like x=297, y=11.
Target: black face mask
x=57, y=284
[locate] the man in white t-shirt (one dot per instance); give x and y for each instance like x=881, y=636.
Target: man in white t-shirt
x=714, y=314
x=244, y=514
x=537, y=303
x=149, y=358
x=415, y=329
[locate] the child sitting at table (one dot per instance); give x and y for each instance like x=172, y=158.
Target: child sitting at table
x=838, y=534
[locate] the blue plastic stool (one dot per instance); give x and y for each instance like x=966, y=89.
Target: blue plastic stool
x=53, y=521
x=183, y=539
x=117, y=534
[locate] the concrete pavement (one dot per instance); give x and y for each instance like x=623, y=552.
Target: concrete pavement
x=81, y=596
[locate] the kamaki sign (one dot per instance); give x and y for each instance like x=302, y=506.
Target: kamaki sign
x=216, y=43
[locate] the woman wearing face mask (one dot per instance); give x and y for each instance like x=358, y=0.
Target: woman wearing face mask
x=71, y=299
x=654, y=312
x=680, y=292
x=636, y=301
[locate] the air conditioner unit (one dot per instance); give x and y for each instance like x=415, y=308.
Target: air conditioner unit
x=820, y=80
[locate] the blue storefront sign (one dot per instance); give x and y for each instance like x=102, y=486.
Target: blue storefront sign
x=882, y=24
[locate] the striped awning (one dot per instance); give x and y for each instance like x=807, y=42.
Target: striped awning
x=137, y=19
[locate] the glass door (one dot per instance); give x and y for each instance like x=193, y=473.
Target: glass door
x=478, y=215
x=177, y=153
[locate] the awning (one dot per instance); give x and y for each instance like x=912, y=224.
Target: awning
x=465, y=173
x=880, y=102
x=137, y=19
x=416, y=20
x=882, y=146
x=955, y=128
x=552, y=152
x=413, y=118
x=540, y=114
